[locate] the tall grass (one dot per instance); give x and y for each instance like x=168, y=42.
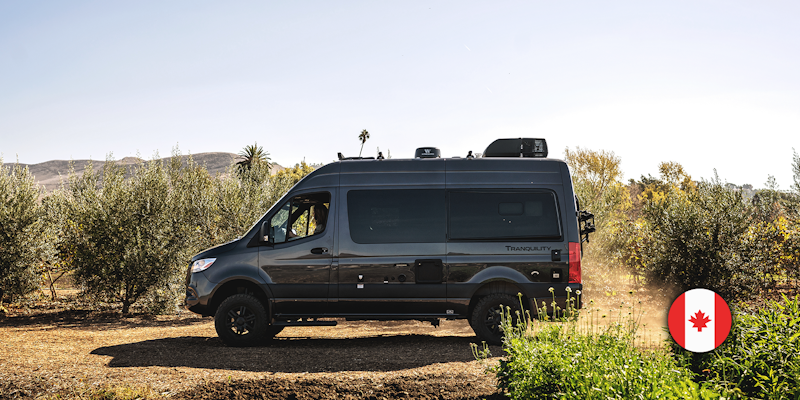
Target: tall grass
x=761, y=356
x=568, y=357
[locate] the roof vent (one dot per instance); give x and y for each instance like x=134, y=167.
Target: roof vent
x=427, y=152
x=521, y=147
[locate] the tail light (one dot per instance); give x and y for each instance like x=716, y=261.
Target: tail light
x=574, y=262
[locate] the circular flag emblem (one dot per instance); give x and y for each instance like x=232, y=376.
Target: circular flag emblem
x=699, y=320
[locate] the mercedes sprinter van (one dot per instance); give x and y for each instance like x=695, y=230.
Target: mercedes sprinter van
x=426, y=238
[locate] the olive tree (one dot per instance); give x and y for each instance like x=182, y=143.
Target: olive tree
x=125, y=238
x=130, y=240
x=243, y=196
x=695, y=240
x=21, y=243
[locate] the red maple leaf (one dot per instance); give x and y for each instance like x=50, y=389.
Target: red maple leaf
x=699, y=320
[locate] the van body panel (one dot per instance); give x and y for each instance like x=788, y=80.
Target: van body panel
x=391, y=172
x=476, y=173
x=216, y=250
x=323, y=177
x=298, y=278
x=387, y=285
x=380, y=278
x=570, y=207
x=530, y=265
x=239, y=262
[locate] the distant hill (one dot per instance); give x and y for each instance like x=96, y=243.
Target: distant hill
x=50, y=173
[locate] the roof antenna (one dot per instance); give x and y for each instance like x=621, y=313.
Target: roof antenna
x=341, y=157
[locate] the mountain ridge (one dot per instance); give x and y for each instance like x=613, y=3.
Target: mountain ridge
x=50, y=174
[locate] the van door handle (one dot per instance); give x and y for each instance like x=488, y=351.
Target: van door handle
x=319, y=250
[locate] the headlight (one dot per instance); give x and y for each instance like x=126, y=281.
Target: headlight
x=202, y=265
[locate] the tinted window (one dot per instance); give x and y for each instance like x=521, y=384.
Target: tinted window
x=396, y=216
x=512, y=215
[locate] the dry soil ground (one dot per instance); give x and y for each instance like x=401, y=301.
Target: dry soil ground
x=79, y=353
x=50, y=351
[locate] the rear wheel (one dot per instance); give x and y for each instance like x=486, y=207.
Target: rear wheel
x=241, y=321
x=486, y=317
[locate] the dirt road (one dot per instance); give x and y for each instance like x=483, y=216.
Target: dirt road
x=75, y=353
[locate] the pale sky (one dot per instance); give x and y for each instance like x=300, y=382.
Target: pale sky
x=709, y=84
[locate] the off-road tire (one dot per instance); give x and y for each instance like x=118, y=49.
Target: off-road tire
x=486, y=316
x=241, y=321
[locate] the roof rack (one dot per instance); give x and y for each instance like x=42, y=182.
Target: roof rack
x=521, y=147
x=341, y=157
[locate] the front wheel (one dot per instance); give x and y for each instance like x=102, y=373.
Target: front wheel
x=486, y=317
x=241, y=321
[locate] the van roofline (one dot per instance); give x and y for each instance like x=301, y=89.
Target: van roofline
x=480, y=159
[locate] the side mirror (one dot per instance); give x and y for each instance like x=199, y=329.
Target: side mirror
x=265, y=238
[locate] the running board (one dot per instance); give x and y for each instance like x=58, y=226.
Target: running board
x=304, y=323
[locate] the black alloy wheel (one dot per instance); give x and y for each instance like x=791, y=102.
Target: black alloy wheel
x=487, y=317
x=241, y=321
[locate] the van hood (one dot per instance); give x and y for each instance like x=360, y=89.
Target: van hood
x=216, y=250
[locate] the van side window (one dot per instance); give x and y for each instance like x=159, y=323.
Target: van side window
x=397, y=216
x=503, y=215
x=301, y=216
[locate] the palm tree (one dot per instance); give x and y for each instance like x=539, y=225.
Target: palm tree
x=363, y=138
x=253, y=154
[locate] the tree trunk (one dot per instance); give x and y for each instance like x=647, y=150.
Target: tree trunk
x=53, y=283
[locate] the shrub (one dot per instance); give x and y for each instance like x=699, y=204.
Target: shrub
x=21, y=241
x=558, y=360
x=761, y=357
x=126, y=238
x=552, y=365
x=695, y=239
x=130, y=240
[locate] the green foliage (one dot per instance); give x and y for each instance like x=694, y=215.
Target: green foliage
x=558, y=360
x=596, y=179
x=129, y=240
x=771, y=242
x=239, y=200
x=796, y=172
x=627, y=245
x=761, y=357
x=696, y=237
x=127, y=234
x=21, y=230
x=602, y=366
x=290, y=176
x=125, y=238
x=251, y=155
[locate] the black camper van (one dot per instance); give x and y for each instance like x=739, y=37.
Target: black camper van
x=425, y=238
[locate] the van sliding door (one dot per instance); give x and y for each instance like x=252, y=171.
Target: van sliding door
x=392, y=250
